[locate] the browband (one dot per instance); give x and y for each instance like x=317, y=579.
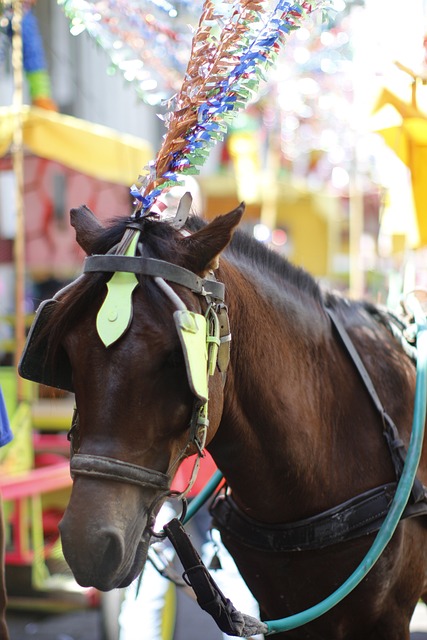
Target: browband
x=156, y=268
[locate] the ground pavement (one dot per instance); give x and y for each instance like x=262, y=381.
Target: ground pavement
x=192, y=624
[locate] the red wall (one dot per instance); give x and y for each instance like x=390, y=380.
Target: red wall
x=50, y=191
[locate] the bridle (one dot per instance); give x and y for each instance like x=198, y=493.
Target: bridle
x=209, y=331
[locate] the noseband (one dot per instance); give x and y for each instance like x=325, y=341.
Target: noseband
x=106, y=468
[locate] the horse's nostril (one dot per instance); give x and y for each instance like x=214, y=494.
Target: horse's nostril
x=112, y=542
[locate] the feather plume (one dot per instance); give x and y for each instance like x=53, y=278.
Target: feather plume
x=235, y=43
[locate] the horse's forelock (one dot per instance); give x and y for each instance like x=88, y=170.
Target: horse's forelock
x=158, y=239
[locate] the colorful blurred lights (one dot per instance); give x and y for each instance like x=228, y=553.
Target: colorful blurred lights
x=261, y=232
x=77, y=28
x=340, y=178
x=279, y=237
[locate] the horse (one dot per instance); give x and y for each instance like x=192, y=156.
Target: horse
x=292, y=426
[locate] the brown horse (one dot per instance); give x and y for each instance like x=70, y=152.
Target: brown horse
x=291, y=426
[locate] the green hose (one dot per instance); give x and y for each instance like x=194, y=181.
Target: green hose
x=397, y=507
x=399, y=503
x=203, y=495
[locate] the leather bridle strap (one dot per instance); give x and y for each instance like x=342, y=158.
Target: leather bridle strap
x=104, y=468
x=391, y=434
x=209, y=596
x=155, y=268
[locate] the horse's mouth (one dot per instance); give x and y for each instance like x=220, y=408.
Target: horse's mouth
x=126, y=575
x=138, y=564
x=106, y=549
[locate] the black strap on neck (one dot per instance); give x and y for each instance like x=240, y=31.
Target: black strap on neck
x=359, y=516
x=390, y=432
x=356, y=517
x=156, y=268
x=208, y=594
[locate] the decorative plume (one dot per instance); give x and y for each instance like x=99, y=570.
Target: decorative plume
x=148, y=42
x=235, y=43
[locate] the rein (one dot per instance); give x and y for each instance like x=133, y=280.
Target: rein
x=358, y=516
x=394, y=442
x=400, y=499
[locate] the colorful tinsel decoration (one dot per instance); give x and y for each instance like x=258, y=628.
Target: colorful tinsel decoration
x=234, y=45
x=147, y=41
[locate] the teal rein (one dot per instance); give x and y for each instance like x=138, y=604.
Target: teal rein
x=403, y=492
x=397, y=507
x=202, y=496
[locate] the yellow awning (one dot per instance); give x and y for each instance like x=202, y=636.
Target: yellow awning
x=404, y=129
x=92, y=149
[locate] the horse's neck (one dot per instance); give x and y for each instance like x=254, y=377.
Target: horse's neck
x=279, y=405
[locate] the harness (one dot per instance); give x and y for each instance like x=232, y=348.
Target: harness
x=206, y=339
x=359, y=516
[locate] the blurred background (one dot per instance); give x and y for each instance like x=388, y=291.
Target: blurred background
x=330, y=158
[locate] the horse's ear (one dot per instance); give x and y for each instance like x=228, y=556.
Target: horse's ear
x=87, y=227
x=204, y=247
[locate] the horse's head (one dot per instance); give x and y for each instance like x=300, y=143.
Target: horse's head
x=139, y=383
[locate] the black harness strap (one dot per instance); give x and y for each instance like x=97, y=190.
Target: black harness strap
x=156, y=268
x=390, y=432
x=209, y=596
x=354, y=518
x=359, y=516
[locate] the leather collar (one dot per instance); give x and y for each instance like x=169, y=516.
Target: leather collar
x=358, y=516
x=351, y=519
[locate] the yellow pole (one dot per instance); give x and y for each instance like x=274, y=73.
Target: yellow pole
x=356, y=279
x=18, y=168
x=269, y=186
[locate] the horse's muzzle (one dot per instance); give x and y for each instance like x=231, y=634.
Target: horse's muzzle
x=104, y=561
x=101, y=533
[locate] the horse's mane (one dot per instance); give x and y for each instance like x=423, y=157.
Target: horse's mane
x=162, y=241
x=266, y=260
x=269, y=261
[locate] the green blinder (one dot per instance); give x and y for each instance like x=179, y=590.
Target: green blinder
x=115, y=314
x=191, y=329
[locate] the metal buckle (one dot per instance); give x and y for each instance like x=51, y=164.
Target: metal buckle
x=161, y=535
